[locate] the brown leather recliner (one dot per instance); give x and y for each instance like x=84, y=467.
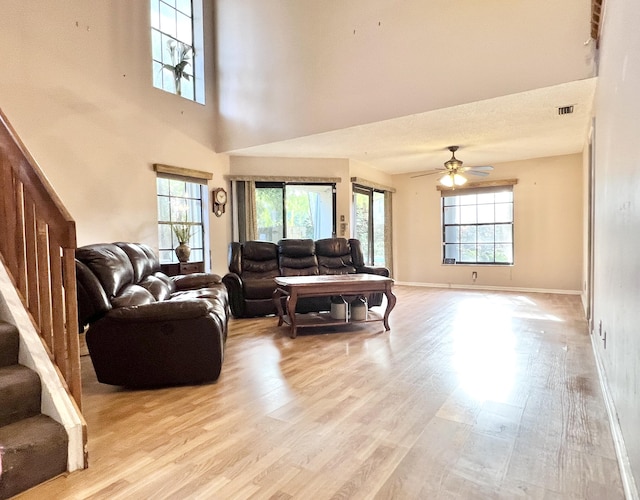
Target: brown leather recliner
x=147, y=329
x=254, y=265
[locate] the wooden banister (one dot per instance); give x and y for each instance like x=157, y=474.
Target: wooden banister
x=37, y=246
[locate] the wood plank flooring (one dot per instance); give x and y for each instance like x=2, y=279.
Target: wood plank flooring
x=471, y=394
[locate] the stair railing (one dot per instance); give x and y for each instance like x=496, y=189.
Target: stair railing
x=37, y=246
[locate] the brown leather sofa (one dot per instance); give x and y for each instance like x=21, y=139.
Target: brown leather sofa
x=147, y=329
x=254, y=265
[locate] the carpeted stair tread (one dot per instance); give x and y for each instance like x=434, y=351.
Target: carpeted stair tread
x=9, y=344
x=20, y=392
x=32, y=451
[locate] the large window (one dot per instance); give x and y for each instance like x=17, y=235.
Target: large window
x=293, y=210
x=176, y=41
x=181, y=202
x=369, y=223
x=477, y=226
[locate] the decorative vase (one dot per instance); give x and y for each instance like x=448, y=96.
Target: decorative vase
x=183, y=251
x=339, y=308
x=359, y=309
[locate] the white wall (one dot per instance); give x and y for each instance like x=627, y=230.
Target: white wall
x=617, y=223
x=547, y=226
x=77, y=87
x=290, y=68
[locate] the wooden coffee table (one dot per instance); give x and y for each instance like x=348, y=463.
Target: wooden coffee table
x=294, y=287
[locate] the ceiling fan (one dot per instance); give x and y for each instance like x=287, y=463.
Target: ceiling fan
x=453, y=171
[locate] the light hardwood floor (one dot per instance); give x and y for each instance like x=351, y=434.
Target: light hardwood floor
x=471, y=394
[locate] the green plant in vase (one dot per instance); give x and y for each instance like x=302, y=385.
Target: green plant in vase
x=183, y=234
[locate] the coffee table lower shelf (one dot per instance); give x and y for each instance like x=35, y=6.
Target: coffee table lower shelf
x=320, y=319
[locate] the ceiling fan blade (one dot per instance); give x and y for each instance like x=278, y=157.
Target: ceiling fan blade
x=480, y=167
x=431, y=172
x=478, y=173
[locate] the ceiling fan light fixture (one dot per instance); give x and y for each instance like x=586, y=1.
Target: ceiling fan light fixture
x=452, y=179
x=447, y=180
x=459, y=180
x=453, y=164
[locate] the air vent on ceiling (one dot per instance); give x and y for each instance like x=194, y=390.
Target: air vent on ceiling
x=565, y=110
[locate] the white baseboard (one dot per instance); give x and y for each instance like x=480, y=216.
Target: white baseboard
x=628, y=482
x=489, y=287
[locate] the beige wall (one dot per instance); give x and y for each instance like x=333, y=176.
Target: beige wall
x=76, y=85
x=617, y=221
x=547, y=226
x=304, y=67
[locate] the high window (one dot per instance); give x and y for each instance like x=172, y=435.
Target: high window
x=369, y=223
x=294, y=210
x=180, y=205
x=177, y=41
x=477, y=226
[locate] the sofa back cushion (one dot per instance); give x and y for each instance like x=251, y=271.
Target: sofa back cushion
x=143, y=259
x=334, y=256
x=297, y=257
x=110, y=264
x=259, y=260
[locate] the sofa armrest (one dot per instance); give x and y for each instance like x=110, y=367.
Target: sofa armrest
x=379, y=270
x=235, y=289
x=195, y=281
x=166, y=310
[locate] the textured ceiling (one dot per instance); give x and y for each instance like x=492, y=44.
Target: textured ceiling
x=510, y=128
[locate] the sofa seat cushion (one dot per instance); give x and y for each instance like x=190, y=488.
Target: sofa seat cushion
x=157, y=287
x=195, y=281
x=259, y=289
x=133, y=295
x=218, y=294
x=299, y=267
x=336, y=265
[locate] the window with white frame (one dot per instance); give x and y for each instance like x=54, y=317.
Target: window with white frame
x=181, y=205
x=477, y=226
x=176, y=41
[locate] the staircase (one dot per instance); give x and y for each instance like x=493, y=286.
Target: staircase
x=34, y=446
x=42, y=432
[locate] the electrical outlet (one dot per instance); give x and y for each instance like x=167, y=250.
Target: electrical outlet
x=474, y=275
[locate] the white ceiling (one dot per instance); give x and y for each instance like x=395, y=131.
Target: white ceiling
x=509, y=128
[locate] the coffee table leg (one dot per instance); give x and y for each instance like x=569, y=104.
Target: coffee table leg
x=391, y=303
x=277, y=295
x=292, y=300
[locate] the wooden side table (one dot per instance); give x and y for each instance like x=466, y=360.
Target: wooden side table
x=176, y=268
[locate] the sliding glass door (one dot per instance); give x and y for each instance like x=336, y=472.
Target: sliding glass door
x=294, y=210
x=369, y=223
